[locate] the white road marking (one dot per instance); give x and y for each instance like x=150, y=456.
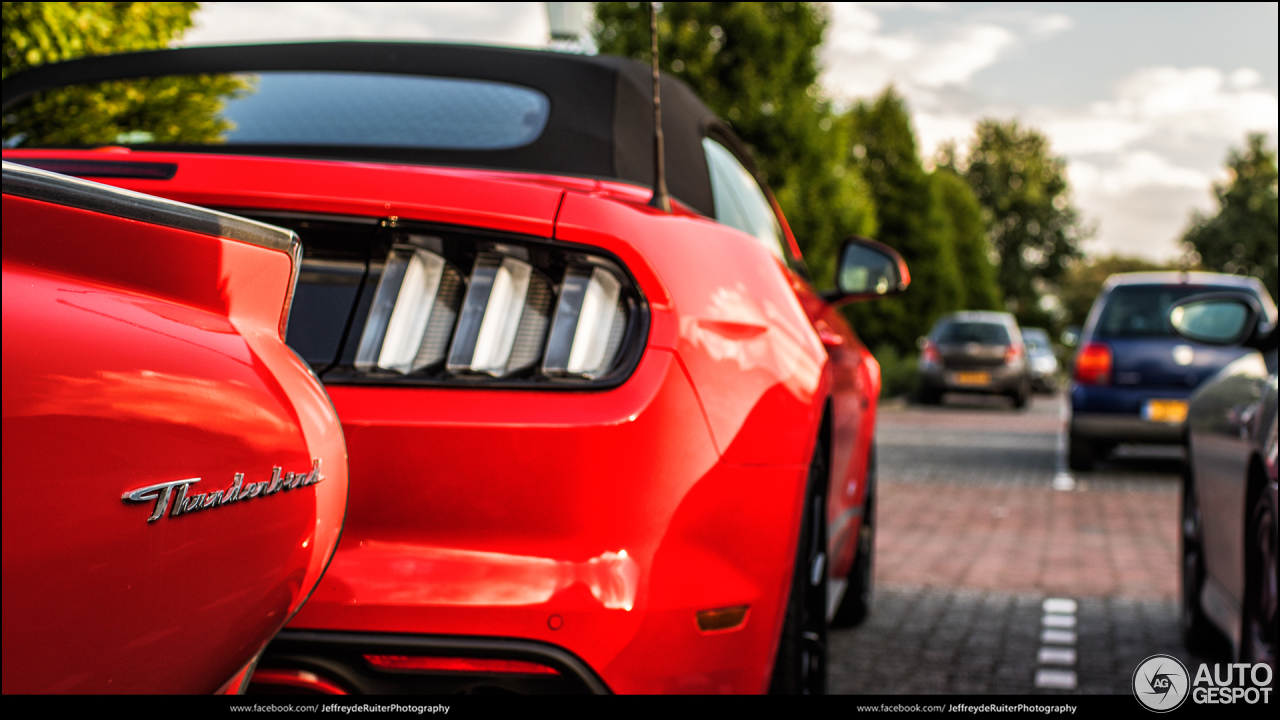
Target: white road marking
x=1058, y=637
x=1056, y=679
x=1065, y=622
x=1056, y=656
x=1059, y=605
x=1062, y=479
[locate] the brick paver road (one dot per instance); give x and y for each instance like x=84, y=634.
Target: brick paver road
x=972, y=537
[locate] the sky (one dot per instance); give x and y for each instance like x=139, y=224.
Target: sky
x=1143, y=100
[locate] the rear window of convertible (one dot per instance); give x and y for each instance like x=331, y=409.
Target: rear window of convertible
x=283, y=109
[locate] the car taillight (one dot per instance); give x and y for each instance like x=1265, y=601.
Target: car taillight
x=929, y=354
x=1012, y=354
x=1093, y=365
x=453, y=308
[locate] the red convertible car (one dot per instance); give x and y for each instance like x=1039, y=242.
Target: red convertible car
x=595, y=446
x=175, y=478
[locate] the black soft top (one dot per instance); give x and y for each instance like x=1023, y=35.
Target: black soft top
x=600, y=123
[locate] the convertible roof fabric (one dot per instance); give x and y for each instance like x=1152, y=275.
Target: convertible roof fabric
x=600, y=125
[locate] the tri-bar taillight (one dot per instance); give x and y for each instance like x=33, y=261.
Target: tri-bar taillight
x=459, y=308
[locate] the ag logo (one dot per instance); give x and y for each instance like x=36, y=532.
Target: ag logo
x=1160, y=683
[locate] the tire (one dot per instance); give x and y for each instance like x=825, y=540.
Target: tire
x=859, y=593
x=1258, y=634
x=801, y=665
x=1021, y=398
x=1198, y=632
x=1080, y=453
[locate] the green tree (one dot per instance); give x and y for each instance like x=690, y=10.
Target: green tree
x=966, y=232
x=1032, y=225
x=36, y=33
x=168, y=110
x=909, y=220
x=754, y=64
x=1241, y=237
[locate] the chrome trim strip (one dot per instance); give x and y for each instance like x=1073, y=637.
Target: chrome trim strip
x=36, y=184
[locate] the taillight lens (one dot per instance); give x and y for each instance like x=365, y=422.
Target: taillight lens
x=930, y=354
x=1013, y=354
x=1093, y=365
x=458, y=309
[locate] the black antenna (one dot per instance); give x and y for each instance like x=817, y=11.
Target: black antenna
x=660, y=199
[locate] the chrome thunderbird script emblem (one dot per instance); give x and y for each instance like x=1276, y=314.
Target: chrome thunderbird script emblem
x=238, y=492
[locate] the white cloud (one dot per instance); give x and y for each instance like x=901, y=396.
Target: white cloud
x=495, y=23
x=1193, y=101
x=1134, y=170
x=860, y=60
x=1074, y=135
x=1164, y=104
x=1049, y=25
x=1244, y=78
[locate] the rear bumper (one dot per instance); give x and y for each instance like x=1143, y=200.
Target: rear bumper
x=596, y=522
x=1125, y=428
x=342, y=662
x=1107, y=412
x=1002, y=380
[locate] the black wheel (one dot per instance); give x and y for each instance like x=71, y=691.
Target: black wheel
x=930, y=396
x=1198, y=633
x=801, y=665
x=1021, y=397
x=858, y=594
x=1258, y=639
x=1080, y=453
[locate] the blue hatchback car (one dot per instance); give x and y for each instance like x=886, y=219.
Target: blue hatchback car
x=1132, y=375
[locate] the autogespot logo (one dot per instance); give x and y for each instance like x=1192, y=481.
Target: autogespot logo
x=1160, y=683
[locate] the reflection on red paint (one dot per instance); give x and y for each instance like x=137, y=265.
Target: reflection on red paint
x=406, y=574
x=269, y=679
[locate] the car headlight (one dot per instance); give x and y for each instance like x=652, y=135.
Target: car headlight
x=456, y=308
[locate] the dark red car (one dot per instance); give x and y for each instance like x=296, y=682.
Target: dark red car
x=595, y=446
x=175, y=478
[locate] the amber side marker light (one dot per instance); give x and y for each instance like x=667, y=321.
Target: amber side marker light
x=722, y=618
x=410, y=663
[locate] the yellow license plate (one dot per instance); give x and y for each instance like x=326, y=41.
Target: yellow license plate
x=1166, y=411
x=973, y=378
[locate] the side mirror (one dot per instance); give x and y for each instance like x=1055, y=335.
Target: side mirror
x=1221, y=318
x=868, y=270
x=1071, y=336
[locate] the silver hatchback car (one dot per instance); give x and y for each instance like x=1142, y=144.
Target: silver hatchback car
x=975, y=352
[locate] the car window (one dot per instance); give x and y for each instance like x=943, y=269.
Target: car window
x=1142, y=310
x=287, y=108
x=740, y=203
x=984, y=333
x=1035, y=339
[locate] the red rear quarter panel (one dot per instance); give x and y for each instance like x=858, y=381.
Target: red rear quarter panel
x=623, y=511
x=136, y=354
